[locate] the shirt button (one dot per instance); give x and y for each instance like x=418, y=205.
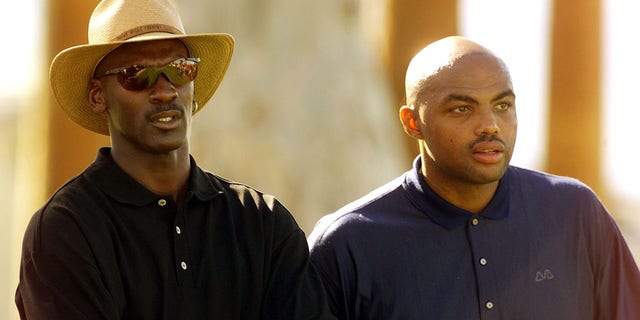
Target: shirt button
x=483, y=261
x=162, y=202
x=475, y=221
x=178, y=231
x=489, y=305
x=183, y=265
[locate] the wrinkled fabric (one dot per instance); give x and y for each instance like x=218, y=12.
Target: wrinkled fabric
x=104, y=247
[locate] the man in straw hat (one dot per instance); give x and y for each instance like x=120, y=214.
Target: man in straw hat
x=143, y=232
x=464, y=235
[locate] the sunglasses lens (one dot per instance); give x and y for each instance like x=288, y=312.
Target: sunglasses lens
x=188, y=68
x=178, y=72
x=134, y=78
x=175, y=75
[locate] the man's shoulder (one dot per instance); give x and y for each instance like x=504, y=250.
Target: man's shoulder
x=532, y=186
x=250, y=202
x=61, y=214
x=76, y=192
x=361, y=212
x=238, y=189
x=229, y=184
x=544, y=180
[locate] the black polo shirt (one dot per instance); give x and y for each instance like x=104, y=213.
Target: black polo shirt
x=543, y=248
x=104, y=247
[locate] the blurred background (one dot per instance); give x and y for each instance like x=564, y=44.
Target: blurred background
x=308, y=108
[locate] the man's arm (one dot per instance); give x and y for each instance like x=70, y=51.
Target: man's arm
x=295, y=290
x=616, y=275
x=330, y=263
x=58, y=275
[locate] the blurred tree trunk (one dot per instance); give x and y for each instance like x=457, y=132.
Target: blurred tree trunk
x=71, y=147
x=412, y=25
x=575, y=130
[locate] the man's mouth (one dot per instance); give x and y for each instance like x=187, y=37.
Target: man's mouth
x=165, y=119
x=165, y=116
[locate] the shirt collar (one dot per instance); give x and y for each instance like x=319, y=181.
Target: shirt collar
x=123, y=188
x=444, y=213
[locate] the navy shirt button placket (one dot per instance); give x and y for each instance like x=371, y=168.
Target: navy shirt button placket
x=483, y=262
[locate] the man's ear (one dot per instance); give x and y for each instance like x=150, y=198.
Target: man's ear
x=409, y=119
x=96, y=97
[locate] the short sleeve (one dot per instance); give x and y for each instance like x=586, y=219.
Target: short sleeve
x=58, y=278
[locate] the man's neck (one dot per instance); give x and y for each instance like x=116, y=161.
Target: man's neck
x=470, y=197
x=162, y=173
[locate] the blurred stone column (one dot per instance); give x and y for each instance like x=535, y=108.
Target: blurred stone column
x=412, y=25
x=71, y=147
x=50, y=148
x=575, y=130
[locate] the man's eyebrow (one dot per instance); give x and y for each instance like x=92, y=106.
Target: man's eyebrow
x=503, y=95
x=468, y=99
x=459, y=97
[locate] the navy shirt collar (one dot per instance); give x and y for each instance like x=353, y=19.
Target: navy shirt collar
x=123, y=188
x=444, y=213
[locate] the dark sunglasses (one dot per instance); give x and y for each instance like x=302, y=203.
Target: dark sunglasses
x=135, y=78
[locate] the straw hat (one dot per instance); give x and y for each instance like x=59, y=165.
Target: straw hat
x=115, y=22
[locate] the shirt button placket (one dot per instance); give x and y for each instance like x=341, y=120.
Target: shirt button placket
x=483, y=262
x=183, y=264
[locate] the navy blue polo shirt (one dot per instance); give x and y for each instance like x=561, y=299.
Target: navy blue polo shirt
x=543, y=248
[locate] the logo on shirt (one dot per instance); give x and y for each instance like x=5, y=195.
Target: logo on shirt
x=544, y=275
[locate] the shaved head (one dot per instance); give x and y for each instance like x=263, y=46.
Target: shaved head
x=437, y=57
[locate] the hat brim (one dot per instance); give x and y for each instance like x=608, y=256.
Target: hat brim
x=72, y=70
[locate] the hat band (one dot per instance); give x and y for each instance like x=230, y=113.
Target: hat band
x=149, y=28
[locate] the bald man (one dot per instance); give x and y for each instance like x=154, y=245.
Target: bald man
x=464, y=235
